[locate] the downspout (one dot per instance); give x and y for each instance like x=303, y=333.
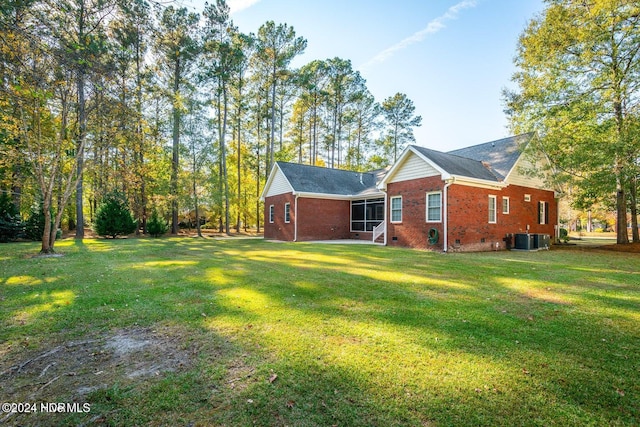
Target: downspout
x=386, y=223
x=446, y=213
x=295, y=222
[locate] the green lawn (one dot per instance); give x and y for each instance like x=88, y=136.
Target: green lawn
x=247, y=332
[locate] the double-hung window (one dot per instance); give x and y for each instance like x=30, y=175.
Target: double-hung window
x=272, y=213
x=434, y=207
x=505, y=205
x=396, y=209
x=543, y=213
x=493, y=214
x=287, y=212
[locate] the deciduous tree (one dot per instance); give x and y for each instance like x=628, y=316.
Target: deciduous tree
x=578, y=84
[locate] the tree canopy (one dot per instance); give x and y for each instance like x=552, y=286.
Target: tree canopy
x=578, y=83
x=179, y=112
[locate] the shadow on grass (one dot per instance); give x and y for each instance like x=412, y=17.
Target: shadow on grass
x=368, y=335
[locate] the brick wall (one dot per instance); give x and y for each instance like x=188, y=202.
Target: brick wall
x=322, y=219
x=279, y=229
x=469, y=227
x=413, y=230
x=468, y=215
x=318, y=219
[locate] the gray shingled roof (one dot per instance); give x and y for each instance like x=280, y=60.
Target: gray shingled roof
x=457, y=165
x=320, y=180
x=501, y=155
x=491, y=161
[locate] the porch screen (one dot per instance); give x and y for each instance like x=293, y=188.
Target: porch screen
x=366, y=214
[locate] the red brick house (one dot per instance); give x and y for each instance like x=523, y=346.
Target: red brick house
x=472, y=199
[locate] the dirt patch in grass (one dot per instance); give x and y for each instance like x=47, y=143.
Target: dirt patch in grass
x=73, y=369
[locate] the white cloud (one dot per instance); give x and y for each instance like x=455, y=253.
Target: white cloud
x=238, y=5
x=432, y=27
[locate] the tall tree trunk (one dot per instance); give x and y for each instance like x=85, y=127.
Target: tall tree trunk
x=82, y=129
x=239, y=165
x=195, y=194
x=273, y=119
x=175, y=150
x=258, y=176
x=633, y=201
x=223, y=154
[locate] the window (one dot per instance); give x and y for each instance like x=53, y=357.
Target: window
x=543, y=213
x=396, y=209
x=272, y=213
x=366, y=214
x=434, y=207
x=493, y=218
x=505, y=205
x=527, y=197
x=287, y=212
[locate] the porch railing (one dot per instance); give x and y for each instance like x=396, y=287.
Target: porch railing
x=379, y=230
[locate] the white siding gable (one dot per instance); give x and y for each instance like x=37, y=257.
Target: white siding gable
x=279, y=184
x=527, y=173
x=413, y=167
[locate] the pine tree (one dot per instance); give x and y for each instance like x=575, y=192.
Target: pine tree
x=157, y=226
x=114, y=217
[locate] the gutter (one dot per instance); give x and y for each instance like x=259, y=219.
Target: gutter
x=386, y=223
x=446, y=213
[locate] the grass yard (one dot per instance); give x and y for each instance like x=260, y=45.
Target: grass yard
x=246, y=332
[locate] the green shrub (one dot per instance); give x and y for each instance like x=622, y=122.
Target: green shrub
x=114, y=217
x=11, y=225
x=564, y=235
x=157, y=226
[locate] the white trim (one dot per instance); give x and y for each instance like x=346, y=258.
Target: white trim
x=386, y=228
x=479, y=183
x=337, y=196
x=495, y=208
x=391, y=209
x=439, y=220
x=295, y=222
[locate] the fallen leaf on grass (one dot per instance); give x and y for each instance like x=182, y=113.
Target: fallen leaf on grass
x=525, y=371
x=290, y=404
x=620, y=392
x=272, y=378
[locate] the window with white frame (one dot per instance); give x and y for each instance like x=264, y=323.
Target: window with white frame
x=543, y=212
x=493, y=215
x=434, y=207
x=505, y=205
x=272, y=213
x=287, y=212
x=396, y=209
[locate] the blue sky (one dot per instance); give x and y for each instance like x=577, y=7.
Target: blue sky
x=450, y=57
